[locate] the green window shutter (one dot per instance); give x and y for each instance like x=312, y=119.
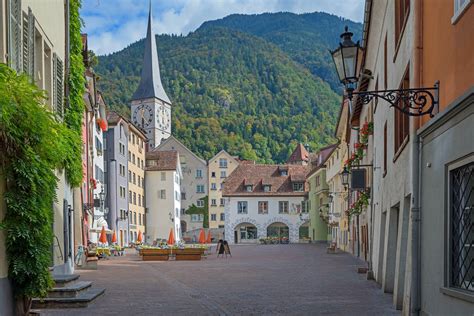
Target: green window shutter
x=29, y=44
x=14, y=34
x=58, y=85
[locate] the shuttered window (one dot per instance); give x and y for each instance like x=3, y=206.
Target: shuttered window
x=58, y=85
x=28, y=46
x=14, y=34
x=402, y=121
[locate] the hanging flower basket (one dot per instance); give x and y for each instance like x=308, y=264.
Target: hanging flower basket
x=102, y=124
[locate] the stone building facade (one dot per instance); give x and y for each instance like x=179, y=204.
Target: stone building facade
x=163, y=178
x=265, y=201
x=136, y=182
x=116, y=174
x=220, y=167
x=194, y=185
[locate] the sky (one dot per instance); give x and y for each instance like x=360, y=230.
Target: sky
x=112, y=25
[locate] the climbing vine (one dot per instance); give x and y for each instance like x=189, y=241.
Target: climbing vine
x=193, y=209
x=33, y=143
x=75, y=109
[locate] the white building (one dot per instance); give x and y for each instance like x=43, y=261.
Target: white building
x=163, y=178
x=194, y=171
x=265, y=201
x=98, y=180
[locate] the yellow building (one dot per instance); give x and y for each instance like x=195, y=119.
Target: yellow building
x=338, y=195
x=220, y=166
x=136, y=182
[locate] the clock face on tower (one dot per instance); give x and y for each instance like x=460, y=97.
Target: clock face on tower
x=163, y=118
x=143, y=116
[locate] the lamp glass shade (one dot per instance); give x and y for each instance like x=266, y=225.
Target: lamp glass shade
x=347, y=58
x=345, y=177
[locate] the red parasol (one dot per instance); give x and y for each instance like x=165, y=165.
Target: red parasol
x=171, y=240
x=209, y=237
x=114, y=238
x=140, y=237
x=202, y=237
x=103, y=237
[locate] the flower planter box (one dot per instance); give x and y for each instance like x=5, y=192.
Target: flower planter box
x=155, y=254
x=188, y=254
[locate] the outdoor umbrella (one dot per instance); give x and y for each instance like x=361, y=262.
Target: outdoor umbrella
x=103, y=237
x=171, y=240
x=209, y=237
x=202, y=237
x=139, y=238
x=114, y=238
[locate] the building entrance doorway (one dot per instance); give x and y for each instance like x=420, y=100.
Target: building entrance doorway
x=279, y=231
x=245, y=233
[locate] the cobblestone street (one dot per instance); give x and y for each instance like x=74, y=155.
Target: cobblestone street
x=270, y=279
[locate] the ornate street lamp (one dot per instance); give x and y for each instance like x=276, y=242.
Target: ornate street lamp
x=347, y=58
x=413, y=102
x=345, y=177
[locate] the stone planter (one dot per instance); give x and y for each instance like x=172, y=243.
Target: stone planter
x=155, y=254
x=188, y=253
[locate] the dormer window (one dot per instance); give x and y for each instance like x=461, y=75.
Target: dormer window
x=283, y=170
x=249, y=188
x=267, y=188
x=298, y=186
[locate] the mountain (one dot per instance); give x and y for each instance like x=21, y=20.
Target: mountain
x=306, y=38
x=232, y=89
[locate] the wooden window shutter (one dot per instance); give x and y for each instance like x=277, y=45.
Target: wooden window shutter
x=58, y=85
x=29, y=44
x=14, y=34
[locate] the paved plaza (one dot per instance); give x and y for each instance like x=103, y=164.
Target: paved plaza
x=298, y=279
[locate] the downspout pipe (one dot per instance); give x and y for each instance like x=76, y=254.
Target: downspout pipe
x=417, y=148
x=415, y=289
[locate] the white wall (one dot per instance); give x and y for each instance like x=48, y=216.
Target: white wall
x=262, y=221
x=158, y=218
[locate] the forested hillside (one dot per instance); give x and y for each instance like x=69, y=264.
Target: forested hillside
x=230, y=90
x=306, y=38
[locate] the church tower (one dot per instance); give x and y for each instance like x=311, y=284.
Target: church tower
x=151, y=107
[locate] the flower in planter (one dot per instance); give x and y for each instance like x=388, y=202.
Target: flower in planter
x=102, y=124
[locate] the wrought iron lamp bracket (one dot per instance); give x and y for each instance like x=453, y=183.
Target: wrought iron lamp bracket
x=415, y=102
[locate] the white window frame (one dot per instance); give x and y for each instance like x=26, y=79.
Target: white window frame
x=262, y=207
x=460, y=6
x=242, y=207
x=283, y=207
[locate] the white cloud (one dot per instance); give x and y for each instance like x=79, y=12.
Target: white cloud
x=113, y=24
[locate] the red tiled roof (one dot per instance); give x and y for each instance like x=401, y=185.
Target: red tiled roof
x=299, y=154
x=161, y=160
x=259, y=175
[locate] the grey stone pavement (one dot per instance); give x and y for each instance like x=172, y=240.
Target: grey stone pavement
x=299, y=279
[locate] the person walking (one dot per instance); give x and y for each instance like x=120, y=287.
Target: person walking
x=220, y=248
x=227, y=249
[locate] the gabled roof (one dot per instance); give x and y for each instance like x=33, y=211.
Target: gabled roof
x=322, y=156
x=113, y=118
x=300, y=154
x=163, y=160
x=259, y=175
x=150, y=83
x=226, y=153
x=174, y=139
